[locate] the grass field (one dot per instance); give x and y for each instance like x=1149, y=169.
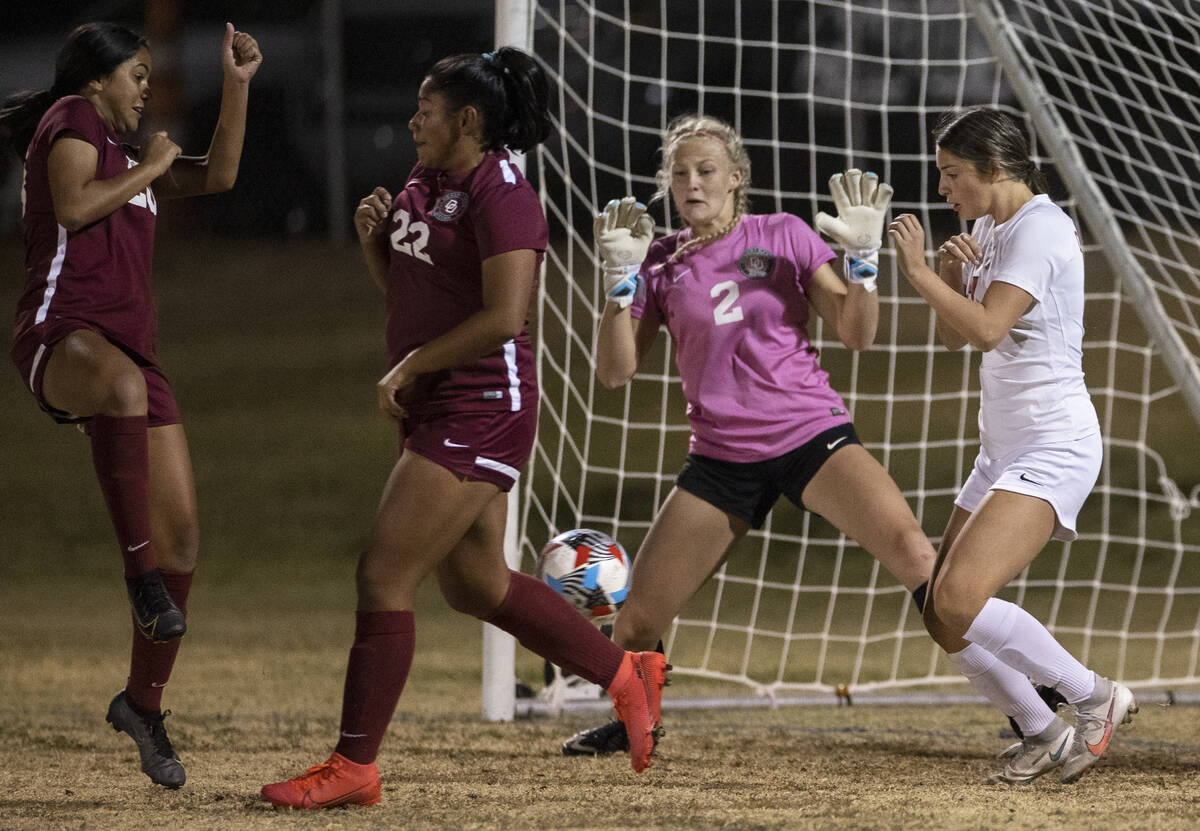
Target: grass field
x=274, y=353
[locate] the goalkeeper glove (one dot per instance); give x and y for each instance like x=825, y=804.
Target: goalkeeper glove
x=861, y=201
x=623, y=232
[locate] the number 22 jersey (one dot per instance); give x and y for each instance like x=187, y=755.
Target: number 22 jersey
x=442, y=227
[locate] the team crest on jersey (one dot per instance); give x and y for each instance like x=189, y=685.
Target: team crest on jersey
x=450, y=206
x=756, y=262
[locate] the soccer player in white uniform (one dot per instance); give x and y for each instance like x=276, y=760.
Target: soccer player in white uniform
x=735, y=292
x=1013, y=288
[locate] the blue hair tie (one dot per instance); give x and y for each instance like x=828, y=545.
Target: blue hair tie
x=492, y=59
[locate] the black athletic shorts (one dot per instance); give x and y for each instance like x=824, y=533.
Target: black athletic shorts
x=748, y=490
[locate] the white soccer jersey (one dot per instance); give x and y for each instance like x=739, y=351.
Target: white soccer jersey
x=1032, y=387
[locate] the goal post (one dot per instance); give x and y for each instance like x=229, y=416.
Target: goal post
x=815, y=87
x=499, y=647
x=1021, y=67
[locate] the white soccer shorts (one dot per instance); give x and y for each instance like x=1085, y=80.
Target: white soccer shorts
x=1063, y=474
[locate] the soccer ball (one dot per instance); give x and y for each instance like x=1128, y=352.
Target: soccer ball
x=590, y=569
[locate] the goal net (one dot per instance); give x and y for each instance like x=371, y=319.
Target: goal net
x=1110, y=92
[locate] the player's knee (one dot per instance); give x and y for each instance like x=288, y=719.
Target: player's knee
x=950, y=609
x=124, y=392
x=479, y=601
x=379, y=583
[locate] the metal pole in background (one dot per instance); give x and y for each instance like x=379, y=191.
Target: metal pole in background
x=333, y=91
x=1135, y=282
x=499, y=648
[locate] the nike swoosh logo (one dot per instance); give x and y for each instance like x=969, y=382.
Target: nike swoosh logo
x=1100, y=746
x=354, y=735
x=1056, y=754
x=449, y=443
x=1025, y=478
x=156, y=684
x=834, y=443
x=329, y=803
x=138, y=547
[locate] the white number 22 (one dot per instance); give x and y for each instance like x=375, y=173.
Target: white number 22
x=725, y=311
x=416, y=248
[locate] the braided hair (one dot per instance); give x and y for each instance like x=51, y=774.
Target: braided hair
x=692, y=126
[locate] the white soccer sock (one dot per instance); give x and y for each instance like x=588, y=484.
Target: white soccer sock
x=1006, y=688
x=1019, y=640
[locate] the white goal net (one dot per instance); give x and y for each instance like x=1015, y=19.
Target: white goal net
x=1111, y=94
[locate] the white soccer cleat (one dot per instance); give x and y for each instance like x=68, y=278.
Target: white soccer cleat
x=1110, y=704
x=1035, y=755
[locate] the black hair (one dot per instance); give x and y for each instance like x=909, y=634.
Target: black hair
x=507, y=87
x=91, y=52
x=982, y=135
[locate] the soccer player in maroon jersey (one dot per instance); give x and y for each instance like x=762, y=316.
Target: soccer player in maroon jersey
x=457, y=253
x=86, y=328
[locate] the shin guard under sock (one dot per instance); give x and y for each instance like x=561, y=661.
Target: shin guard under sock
x=121, y=456
x=544, y=623
x=379, y=662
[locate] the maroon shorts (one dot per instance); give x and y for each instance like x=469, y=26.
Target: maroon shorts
x=490, y=446
x=31, y=352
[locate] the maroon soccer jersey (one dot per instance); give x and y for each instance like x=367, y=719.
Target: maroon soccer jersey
x=101, y=273
x=442, y=229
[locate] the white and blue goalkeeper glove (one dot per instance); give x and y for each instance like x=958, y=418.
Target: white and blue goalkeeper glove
x=861, y=201
x=623, y=233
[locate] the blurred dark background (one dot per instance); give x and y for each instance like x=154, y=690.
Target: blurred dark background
x=329, y=108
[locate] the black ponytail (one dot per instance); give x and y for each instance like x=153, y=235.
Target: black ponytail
x=91, y=52
x=19, y=117
x=509, y=90
x=982, y=135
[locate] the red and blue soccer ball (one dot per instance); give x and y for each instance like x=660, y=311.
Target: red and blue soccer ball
x=588, y=568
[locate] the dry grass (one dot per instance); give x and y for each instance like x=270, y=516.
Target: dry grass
x=274, y=352
x=256, y=697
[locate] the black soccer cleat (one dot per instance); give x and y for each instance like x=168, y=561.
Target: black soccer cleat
x=155, y=613
x=599, y=741
x=159, y=760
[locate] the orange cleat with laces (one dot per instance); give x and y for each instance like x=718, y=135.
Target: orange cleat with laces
x=335, y=782
x=637, y=696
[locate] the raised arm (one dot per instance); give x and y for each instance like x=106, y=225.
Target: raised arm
x=622, y=232
x=960, y=320
x=80, y=198
x=217, y=170
x=621, y=343
x=508, y=281
x=852, y=311
x=371, y=223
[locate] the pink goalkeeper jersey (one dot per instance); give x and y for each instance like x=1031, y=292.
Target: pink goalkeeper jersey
x=442, y=229
x=99, y=273
x=738, y=313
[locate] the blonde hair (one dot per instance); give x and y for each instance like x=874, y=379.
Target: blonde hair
x=693, y=126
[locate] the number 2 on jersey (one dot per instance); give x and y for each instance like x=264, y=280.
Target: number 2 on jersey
x=415, y=248
x=726, y=311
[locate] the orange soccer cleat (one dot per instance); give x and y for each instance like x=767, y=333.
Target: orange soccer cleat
x=637, y=695
x=335, y=782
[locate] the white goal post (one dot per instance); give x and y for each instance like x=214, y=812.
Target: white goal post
x=1111, y=94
